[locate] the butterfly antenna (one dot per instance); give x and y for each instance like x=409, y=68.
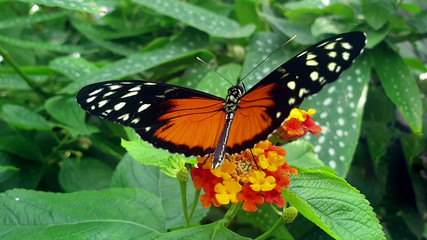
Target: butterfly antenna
x=213, y=69
x=269, y=55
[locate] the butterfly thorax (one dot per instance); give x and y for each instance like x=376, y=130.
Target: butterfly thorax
x=232, y=100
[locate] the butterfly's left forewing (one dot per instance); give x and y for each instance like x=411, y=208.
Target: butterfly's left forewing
x=178, y=119
x=264, y=107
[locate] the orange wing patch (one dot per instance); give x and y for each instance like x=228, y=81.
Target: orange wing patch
x=252, y=120
x=194, y=123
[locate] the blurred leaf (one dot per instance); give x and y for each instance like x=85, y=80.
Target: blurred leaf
x=70, y=116
x=21, y=173
x=21, y=146
x=261, y=45
x=291, y=29
x=420, y=21
x=310, y=4
x=378, y=12
x=13, y=81
x=185, y=45
x=88, y=6
x=130, y=173
x=120, y=49
x=113, y=213
x=415, y=63
x=23, y=118
x=84, y=174
x=322, y=197
x=339, y=108
x=376, y=36
x=73, y=68
x=28, y=20
x=199, y=18
x=300, y=154
x=399, y=85
x=41, y=45
x=8, y=168
x=214, y=84
x=246, y=10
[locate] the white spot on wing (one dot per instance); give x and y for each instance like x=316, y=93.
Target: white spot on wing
x=95, y=92
x=119, y=106
x=143, y=107
x=291, y=85
x=130, y=94
x=102, y=103
x=90, y=99
x=114, y=87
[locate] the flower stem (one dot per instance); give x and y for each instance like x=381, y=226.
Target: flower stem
x=231, y=213
x=183, y=186
x=279, y=222
x=195, y=202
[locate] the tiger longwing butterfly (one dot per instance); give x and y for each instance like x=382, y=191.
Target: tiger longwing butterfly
x=195, y=123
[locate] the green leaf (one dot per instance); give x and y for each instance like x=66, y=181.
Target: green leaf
x=120, y=49
x=214, y=84
x=199, y=18
x=21, y=146
x=333, y=205
x=70, y=116
x=300, y=153
x=130, y=173
x=73, y=68
x=185, y=45
x=399, y=85
x=339, y=109
x=84, y=174
x=23, y=118
x=261, y=45
x=209, y=231
x=419, y=21
x=8, y=168
x=291, y=29
x=83, y=6
x=146, y=154
x=246, y=10
x=13, y=81
x=378, y=12
x=63, y=48
x=28, y=20
x=106, y=214
x=21, y=173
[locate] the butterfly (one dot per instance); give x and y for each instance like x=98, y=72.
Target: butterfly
x=194, y=123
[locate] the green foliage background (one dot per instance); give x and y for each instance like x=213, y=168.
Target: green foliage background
x=65, y=174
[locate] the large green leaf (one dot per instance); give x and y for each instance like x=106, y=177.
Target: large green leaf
x=399, y=85
x=209, y=231
x=333, y=205
x=197, y=17
x=339, y=110
x=107, y=214
x=300, y=153
x=23, y=118
x=130, y=173
x=185, y=45
x=84, y=174
x=21, y=146
x=79, y=5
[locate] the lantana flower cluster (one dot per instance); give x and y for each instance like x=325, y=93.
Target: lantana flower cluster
x=255, y=176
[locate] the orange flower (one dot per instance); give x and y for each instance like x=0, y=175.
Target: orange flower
x=251, y=176
x=298, y=124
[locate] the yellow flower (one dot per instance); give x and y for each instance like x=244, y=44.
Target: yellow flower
x=272, y=162
x=225, y=170
x=299, y=114
x=227, y=191
x=260, y=182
